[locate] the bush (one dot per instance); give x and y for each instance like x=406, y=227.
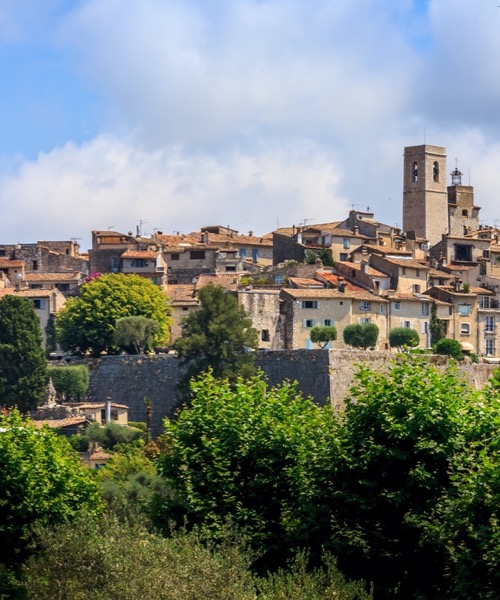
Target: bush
x=449, y=348
x=361, y=336
x=399, y=337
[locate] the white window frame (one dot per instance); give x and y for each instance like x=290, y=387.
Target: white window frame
x=464, y=328
x=425, y=309
x=489, y=346
x=365, y=305
x=489, y=325
x=464, y=309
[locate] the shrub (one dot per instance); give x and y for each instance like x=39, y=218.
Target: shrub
x=449, y=348
x=70, y=383
x=400, y=337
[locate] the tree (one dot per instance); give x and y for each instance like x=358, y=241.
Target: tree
x=323, y=335
x=254, y=455
x=219, y=336
x=400, y=337
x=87, y=322
x=70, y=382
x=449, y=348
x=361, y=336
x=436, y=326
x=50, y=336
x=23, y=367
x=41, y=480
x=401, y=442
x=135, y=332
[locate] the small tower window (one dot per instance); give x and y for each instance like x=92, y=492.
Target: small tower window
x=414, y=172
x=435, y=171
x=465, y=213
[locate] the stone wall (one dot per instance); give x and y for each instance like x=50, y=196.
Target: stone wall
x=321, y=374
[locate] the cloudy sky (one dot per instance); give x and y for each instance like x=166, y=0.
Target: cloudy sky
x=173, y=115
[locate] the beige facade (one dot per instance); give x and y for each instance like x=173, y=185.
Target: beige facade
x=411, y=312
x=407, y=275
x=263, y=307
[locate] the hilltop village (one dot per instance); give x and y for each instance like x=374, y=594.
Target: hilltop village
x=442, y=262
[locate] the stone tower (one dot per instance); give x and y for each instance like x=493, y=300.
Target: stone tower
x=425, y=195
x=463, y=216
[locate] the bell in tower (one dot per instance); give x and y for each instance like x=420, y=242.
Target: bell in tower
x=456, y=177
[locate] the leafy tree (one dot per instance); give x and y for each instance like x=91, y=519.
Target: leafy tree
x=41, y=480
x=87, y=322
x=218, y=336
x=400, y=337
x=401, y=439
x=50, y=336
x=323, y=335
x=251, y=454
x=361, y=336
x=112, y=435
x=436, y=326
x=135, y=332
x=326, y=257
x=70, y=382
x=310, y=257
x=449, y=348
x=23, y=367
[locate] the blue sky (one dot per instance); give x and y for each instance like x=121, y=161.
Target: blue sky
x=250, y=113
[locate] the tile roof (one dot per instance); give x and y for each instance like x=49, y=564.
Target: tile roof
x=235, y=239
x=387, y=250
x=369, y=270
x=177, y=240
x=229, y=281
x=74, y=276
x=37, y=293
x=330, y=293
x=181, y=294
x=57, y=423
x=302, y=282
x=335, y=279
x=139, y=254
x=406, y=262
x=6, y=263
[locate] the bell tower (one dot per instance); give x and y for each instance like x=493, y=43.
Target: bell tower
x=425, y=194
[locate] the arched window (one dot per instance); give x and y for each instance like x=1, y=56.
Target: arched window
x=435, y=171
x=414, y=172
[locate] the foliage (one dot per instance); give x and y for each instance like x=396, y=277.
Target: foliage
x=361, y=336
x=436, y=326
x=113, y=434
x=41, y=480
x=50, y=336
x=70, y=382
x=218, y=336
x=87, y=322
x=310, y=257
x=403, y=436
x=326, y=257
x=322, y=335
x=251, y=454
x=466, y=288
x=400, y=337
x=135, y=332
x=450, y=348
x=23, y=367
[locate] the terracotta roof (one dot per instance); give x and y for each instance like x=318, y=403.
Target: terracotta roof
x=181, y=294
x=302, y=282
x=229, y=281
x=408, y=297
x=40, y=293
x=369, y=270
x=235, y=239
x=330, y=293
x=58, y=423
x=85, y=405
x=177, y=240
x=337, y=279
x=387, y=250
x=6, y=263
x=139, y=254
x=99, y=455
x=440, y=274
x=74, y=276
x=406, y=262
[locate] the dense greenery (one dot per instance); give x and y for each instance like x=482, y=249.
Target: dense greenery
x=436, y=326
x=41, y=480
x=218, y=336
x=87, y=322
x=70, y=382
x=322, y=335
x=50, y=335
x=401, y=337
x=23, y=367
x=361, y=336
x=449, y=348
x=137, y=333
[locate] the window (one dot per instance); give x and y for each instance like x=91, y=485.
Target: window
x=425, y=309
x=230, y=268
x=197, y=255
x=424, y=327
x=464, y=328
x=264, y=335
x=464, y=309
x=486, y=253
x=139, y=262
x=327, y=322
x=39, y=303
x=343, y=256
x=243, y=252
x=463, y=252
x=416, y=288
x=364, y=320
x=418, y=272
x=489, y=325
x=35, y=286
x=490, y=347
x=278, y=279
x=403, y=271
x=62, y=287
x=381, y=309
x=308, y=323
x=2, y=253
x=414, y=172
x=465, y=213
x=435, y=171
x=365, y=305
x=397, y=305
x=35, y=265
x=115, y=263
x=175, y=256
x=484, y=301
x=346, y=244
x=114, y=415
x=406, y=324
x=309, y=304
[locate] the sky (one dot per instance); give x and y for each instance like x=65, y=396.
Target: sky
x=257, y=114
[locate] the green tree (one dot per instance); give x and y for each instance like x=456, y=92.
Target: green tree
x=70, y=382
x=135, y=332
x=50, y=335
x=23, y=367
x=326, y=257
x=400, y=337
x=322, y=335
x=254, y=455
x=449, y=348
x=218, y=336
x=436, y=326
x=361, y=336
x=41, y=480
x=401, y=439
x=87, y=322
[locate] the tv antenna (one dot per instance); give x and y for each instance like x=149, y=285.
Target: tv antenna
x=306, y=221
x=139, y=227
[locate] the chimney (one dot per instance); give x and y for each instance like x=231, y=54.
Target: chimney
x=250, y=233
x=108, y=410
x=342, y=284
x=364, y=266
x=356, y=229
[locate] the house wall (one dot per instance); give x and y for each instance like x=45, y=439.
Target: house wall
x=263, y=307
